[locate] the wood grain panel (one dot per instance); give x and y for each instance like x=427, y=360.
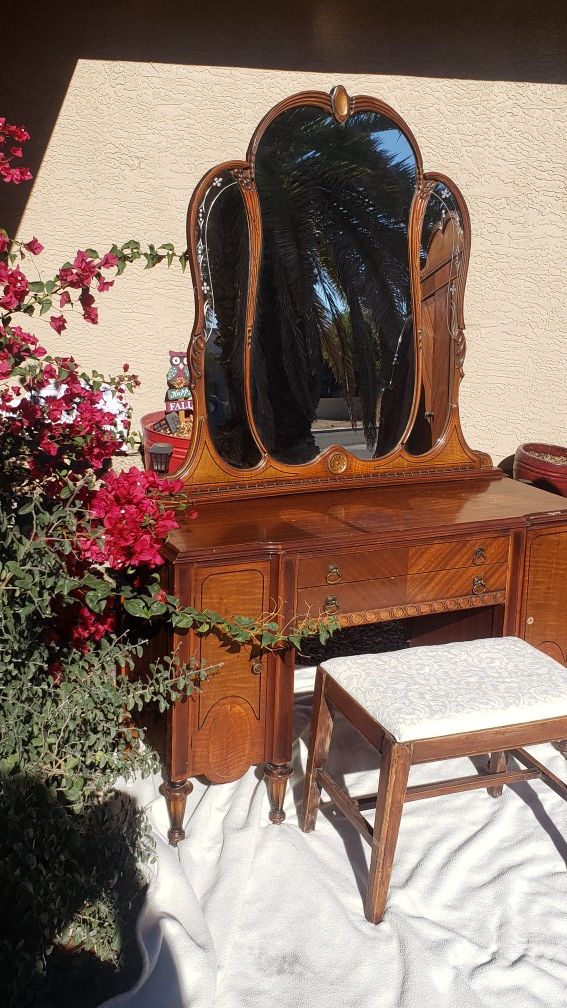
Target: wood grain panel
x=229, y=730
x=478, y=552
x=545, y=598
x=359, y=566
x=225, y=592
x=451, y=583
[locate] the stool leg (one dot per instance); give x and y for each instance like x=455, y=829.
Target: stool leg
x=319, y=743
x=498, y=763
x=394, y=769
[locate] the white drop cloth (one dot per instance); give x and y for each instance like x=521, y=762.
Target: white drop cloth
x=245, y=914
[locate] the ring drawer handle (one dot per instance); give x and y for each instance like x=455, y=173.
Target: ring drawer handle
x=331, y=605
x=256, y=667
x=333, y=574
x=479, y=556
x=478, y=586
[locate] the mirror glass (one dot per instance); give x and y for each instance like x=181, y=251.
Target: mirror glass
x=441, y=262
x=223, y=253
x=332, y=358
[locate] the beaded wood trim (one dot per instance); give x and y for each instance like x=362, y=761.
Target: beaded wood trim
x=422, y=609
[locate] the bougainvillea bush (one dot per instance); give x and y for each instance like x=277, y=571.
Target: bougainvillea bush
x=80, y=552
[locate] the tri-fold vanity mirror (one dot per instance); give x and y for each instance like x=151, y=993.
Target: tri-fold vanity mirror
x=329, y=275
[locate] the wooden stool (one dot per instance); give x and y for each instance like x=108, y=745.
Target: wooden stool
x=433, y=703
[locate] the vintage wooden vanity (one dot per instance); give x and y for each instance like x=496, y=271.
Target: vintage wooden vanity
x=329, y=273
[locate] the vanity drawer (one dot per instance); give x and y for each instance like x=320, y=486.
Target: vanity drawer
x=477, y=552
x=385, y=563
x=382, y=593
x=345, y=567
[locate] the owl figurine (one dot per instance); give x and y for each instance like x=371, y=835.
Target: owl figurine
x=178, y=398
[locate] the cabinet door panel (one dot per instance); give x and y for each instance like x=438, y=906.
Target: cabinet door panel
x=229, y=726
x=544, y=620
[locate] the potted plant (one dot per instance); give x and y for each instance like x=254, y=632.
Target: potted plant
x=545, y=465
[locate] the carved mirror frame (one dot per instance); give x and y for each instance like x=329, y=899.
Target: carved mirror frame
x=209, y=475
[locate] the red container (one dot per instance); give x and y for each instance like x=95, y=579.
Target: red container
x=151, y=437
x=544, y=465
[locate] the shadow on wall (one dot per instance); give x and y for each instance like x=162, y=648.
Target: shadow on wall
x=481, y=41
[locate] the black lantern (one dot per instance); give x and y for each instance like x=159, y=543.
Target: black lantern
x=160, y=455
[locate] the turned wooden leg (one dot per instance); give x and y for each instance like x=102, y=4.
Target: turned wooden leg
x=319, y=744
x=175, y=794
x=498, y=763
x=394, y=769
x=277, y=776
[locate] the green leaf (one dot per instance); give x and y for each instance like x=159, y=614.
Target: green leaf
x=183, y=620
x=295, y=640
x=214, y=617
x=136, y=607
x=97, y=600
x=45, y=305
x=92, y=253
x=37, y=287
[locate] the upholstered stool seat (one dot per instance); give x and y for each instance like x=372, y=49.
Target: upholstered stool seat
x=430, y=703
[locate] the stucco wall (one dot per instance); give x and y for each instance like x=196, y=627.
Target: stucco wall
x=132, y=138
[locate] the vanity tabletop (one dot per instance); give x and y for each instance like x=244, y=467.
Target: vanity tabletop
x=308, y=521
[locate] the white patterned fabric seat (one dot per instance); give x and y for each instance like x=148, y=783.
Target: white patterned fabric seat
x=425, y=704
x=445, y=689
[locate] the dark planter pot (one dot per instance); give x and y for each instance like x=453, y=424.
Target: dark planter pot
x=542, y=464
x=179, y=445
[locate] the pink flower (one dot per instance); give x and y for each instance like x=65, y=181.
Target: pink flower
x=34, y=246
x=91, y=315
x=125, y=367
x=16, y=152
x=104, y=285
x=18, y=132
x=15, y=287
x=133, y=523
x=81, y=272
x=108, y=260
x=15, y=175
x=58, y=323
x=64, y=299
x=4, y=242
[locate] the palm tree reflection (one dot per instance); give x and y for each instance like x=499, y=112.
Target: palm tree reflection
x=335, y=284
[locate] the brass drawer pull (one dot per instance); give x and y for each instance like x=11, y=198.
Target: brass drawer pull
x=479, y=556
x=333, y=574
x=479, y=586
x=256, y=667
x=332, y=605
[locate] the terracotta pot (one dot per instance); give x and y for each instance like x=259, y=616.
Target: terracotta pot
x=544, y=465
x=151, y=437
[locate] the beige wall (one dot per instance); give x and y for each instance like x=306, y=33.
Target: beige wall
x=133, y=137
